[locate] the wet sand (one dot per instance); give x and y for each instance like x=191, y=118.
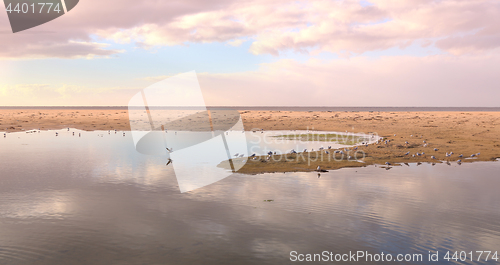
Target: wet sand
x=458, y=132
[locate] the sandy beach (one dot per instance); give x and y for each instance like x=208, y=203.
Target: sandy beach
x=458, y=132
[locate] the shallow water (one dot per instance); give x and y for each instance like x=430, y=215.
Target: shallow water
x=95, y=200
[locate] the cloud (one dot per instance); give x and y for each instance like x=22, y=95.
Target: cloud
x=324, y=25
x=459, y=26
x=71, y=36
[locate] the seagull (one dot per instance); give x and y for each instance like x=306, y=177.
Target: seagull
x=237, y=154
x=407, y=153
x=424, y=141
x=270, y=153
x=473, y=155
x=318, y=168
x=242, y=155
x=57, y=133
x=305, y=150
x=73, y=133
x=326, y=152
x=461, y=155
x=406, y=142
x=387, y=163
x=169, y=149
x=478, y=154
x=79, y=135
x=169, y=161
x=433, y=157
x=255, y=158
x=329, y=147
x=350, y=157
x=459, y=161
x=435, y=149
x=252, y=155
x=4, y=135
x=448, y=155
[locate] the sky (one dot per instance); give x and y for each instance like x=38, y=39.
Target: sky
x=432, y=53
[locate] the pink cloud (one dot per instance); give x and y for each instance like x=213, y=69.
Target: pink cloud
x=460, y=26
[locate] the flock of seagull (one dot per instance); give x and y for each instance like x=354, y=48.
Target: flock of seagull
x=326, y=151
x=346, y=150
x=57, y=133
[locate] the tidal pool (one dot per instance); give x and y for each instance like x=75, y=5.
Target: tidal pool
x=95, y=200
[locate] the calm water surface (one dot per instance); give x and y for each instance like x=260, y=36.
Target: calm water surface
x=95, y=200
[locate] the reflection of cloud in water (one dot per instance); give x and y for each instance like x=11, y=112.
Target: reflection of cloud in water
x=151, y=173
x=46, y=205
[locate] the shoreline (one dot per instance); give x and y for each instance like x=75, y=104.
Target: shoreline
x=458, y=132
